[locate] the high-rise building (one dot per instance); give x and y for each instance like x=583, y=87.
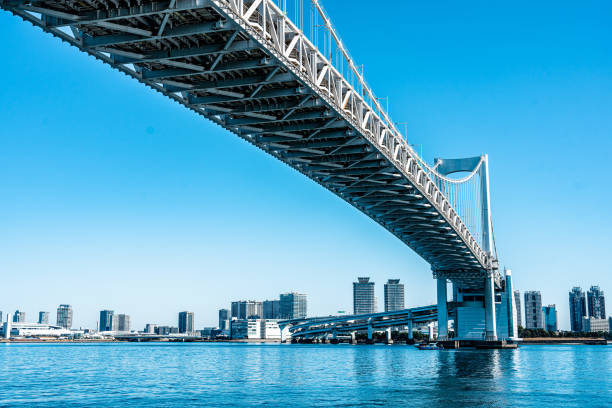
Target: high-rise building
x=185, y=322
x=224, y=318
x=394, y=295
x=364, y=299
x=517, y=306
x=533, y=310
x=596, y=303
x=106, y=320
x=271, y=309
x=150, y=328
x=247, y=309
x=123, y=323
x=293, y=305
x=64, y=316
x=43, y=317
x=19, y=317
x=578, y=310
x=550, y=318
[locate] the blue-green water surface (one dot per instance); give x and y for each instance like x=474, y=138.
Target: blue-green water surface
x=227, y=375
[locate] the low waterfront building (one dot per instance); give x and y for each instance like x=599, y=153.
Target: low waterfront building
x=43, y=317
x=166, y=330
x=594, y=325
x=35, y=330
x=239, y=328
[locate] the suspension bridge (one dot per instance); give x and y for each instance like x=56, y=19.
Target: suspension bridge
x=292, y=89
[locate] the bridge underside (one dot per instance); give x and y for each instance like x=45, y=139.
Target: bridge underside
x=195, y=53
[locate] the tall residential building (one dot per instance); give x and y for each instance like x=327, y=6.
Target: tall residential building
x=394, y=295
x=185, y=322
x=271, y=309
x=64, y=316
x=550, y=318
x=106, y=320
x=293, y=305
x=224, y=318
x=596, y=303
x=247, y=309
x=517, y=306
x=533, y=310
x=43, y=317
x=578, y=309
x=123, y=323
x=364, y=299
x=19, y=317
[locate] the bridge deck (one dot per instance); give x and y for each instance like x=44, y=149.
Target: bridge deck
x=246, y=67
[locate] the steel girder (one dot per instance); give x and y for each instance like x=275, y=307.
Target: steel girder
x=245, y=66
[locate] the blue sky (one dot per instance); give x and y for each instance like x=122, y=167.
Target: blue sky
x=115, y=197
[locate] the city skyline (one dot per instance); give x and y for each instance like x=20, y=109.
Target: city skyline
x=132, y=201
x=259, y=306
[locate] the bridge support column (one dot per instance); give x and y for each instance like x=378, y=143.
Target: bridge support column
x=369, y=332
x=490, y=326
x=431, y=331
x=442, y=310
x=353, y=339
x=389, y=338
x=410, y=335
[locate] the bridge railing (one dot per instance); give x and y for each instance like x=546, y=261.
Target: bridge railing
x=271, y=27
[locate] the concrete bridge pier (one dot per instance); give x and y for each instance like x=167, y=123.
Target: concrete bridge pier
x=410, y=334
x=442, y=309
x=353, y=338
x=370, y=330
x=389, y=339
x=431, y=331
x=489, y=294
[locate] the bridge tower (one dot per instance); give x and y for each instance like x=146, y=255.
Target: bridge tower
x=484, y=311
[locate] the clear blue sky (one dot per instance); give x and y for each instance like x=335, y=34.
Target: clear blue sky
x=115, y=197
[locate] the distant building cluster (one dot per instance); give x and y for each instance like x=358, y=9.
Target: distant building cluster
x=16, y=324
x=364, y=296
x=111, y=322
x=251, y=319
x=588, y=311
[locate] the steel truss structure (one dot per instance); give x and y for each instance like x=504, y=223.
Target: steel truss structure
x=245, y=66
